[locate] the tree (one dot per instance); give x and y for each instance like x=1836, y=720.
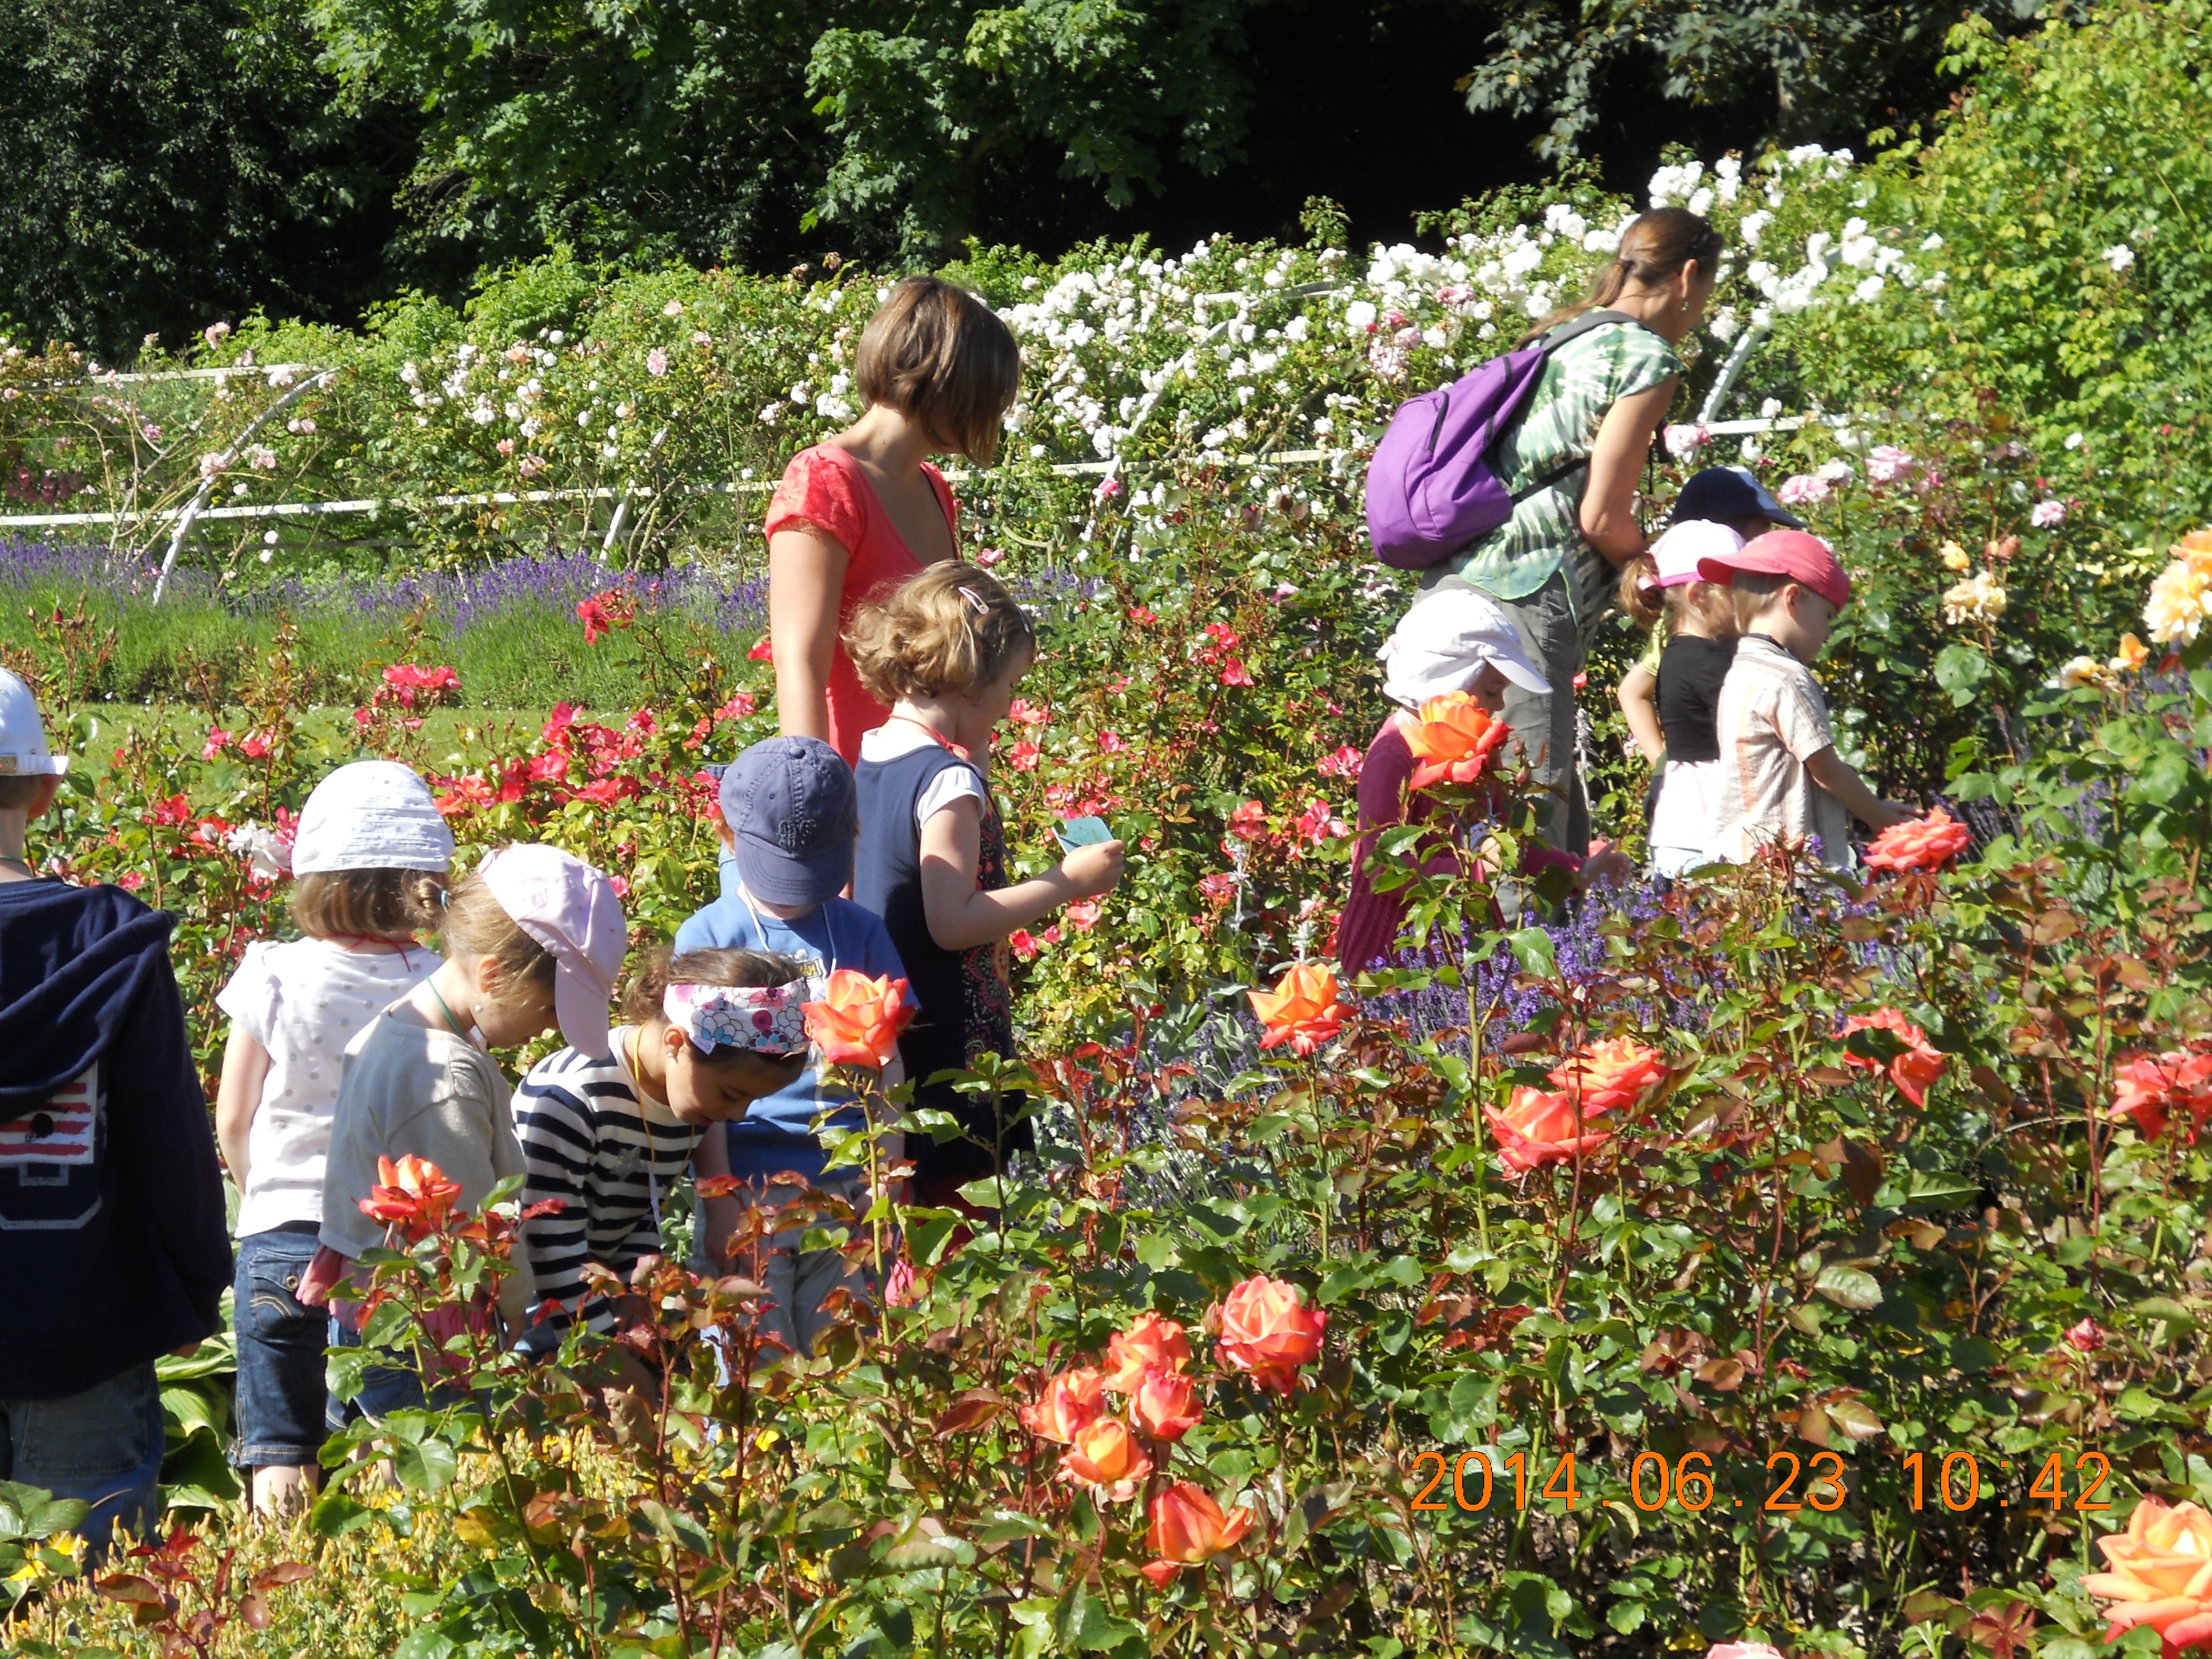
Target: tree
x=1794, y=70
x=697, y=127
x=165, y=163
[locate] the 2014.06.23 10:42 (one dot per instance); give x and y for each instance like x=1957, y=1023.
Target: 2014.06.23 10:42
x=1792, y=1484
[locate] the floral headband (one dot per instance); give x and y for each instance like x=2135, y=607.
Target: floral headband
x=767, y=1019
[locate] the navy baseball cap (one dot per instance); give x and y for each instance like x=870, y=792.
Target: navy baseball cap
x=794, y=817
x=1729, y=494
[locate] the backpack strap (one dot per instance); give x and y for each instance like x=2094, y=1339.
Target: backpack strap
x=1573, y=329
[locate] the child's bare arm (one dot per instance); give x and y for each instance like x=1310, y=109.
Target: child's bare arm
x=1638, y=696
x=1833, y=774
x=961, y=917
x=718, y=1216
x=244, y=1071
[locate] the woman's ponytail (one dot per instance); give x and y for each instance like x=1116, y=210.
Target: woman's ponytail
x=1653, y=249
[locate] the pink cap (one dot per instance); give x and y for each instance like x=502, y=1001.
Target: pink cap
x=1686, y=545
x=1792, y=553
x=571, y=909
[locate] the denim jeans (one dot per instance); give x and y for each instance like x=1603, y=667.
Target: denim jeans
x=103, y=1446
x=282, y=1400
x=384, y=1389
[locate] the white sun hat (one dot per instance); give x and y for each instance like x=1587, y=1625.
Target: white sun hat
x=1442, y=644
x=371, y=815
x=23, y=750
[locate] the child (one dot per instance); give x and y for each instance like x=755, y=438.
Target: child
x=710, y=1032
x=534, y=937
x=113, y=1243
x=371, y=857
x=1670, y=713
x=946, y=652
x=865, y=509
x=1732, y=495
x=1781, y=777
x=789, y=820
x=1454, y=639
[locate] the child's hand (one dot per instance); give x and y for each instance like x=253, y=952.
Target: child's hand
x=1898, y=813
x=1093, y=870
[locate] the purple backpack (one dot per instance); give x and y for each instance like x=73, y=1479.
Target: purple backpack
x=1430, y=488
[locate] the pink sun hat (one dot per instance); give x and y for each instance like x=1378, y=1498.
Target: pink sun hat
x=1804, y=559
x=571, y=909
x=1678, y=552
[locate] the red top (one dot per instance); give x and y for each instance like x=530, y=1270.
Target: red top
x=824, y=489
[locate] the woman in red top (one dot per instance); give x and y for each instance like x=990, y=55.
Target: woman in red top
x=859, y=513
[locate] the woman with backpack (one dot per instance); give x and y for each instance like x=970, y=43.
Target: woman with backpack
x=1571, y=460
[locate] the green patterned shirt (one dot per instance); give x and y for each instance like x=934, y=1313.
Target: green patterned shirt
x=1581, y=382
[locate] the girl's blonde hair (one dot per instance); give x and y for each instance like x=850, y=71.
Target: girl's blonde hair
x=938, y=355
x=951, y=631
x=368, y=903
x=476, y=925
x=1709, y=603
x=1653, y=249
x=753, y=970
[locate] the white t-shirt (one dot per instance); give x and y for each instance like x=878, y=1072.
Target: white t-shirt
x=305, y=1001
x=900, y=738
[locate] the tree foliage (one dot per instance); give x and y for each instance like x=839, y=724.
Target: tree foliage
x=161, y=165
x=1799, y=70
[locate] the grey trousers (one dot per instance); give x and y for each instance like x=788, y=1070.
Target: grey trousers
x=1544, y=726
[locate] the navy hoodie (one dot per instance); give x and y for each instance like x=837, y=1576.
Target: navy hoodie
x=113, y=1241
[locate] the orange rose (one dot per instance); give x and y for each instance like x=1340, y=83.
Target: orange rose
x=1911, y=1071
x=1615, y=1075
x=1189, y=1530
x=1536, y=1128
x=1151, y=1343
x=1453, y=738
x=2149, y=1087
x=1305, y=1009
x=1071, y=1401
x=1926, y=843
x=1266, y=1330
x=1106, y=1454
x=859, y=1019
x=2133, y=654
x=2161, y=1575
x=412, y=1195
x=1165, y=1406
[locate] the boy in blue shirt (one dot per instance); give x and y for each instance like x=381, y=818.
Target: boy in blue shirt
x=790, y=821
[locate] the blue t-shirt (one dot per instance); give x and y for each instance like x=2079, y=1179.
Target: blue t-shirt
x=778, y=1131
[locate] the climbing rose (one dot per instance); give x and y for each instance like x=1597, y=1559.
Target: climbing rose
x=2161, y=1574
x=1920, y=1065
x=1266, y=1330
x=1617, y=1074
x=1189, y=1530
x=413, y=1195
x=859, y=1019
x=1105, y=1455
x=1537, y=1128
x=1071, y=1401
x=1305, y=1009
x=1924, y=843
x=1150, y=1344
x=1165, y=1406
x=1452, y=736
x=2150, y=1088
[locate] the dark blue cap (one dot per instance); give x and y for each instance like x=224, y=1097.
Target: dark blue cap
x=794, y=817
x=1729, y=494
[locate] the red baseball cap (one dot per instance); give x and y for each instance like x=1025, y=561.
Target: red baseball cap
x=1792, y=553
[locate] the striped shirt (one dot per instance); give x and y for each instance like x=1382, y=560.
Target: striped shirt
x=1771, y=718
x=589, y=1141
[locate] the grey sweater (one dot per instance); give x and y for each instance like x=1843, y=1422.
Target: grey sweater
x=406, y=1088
